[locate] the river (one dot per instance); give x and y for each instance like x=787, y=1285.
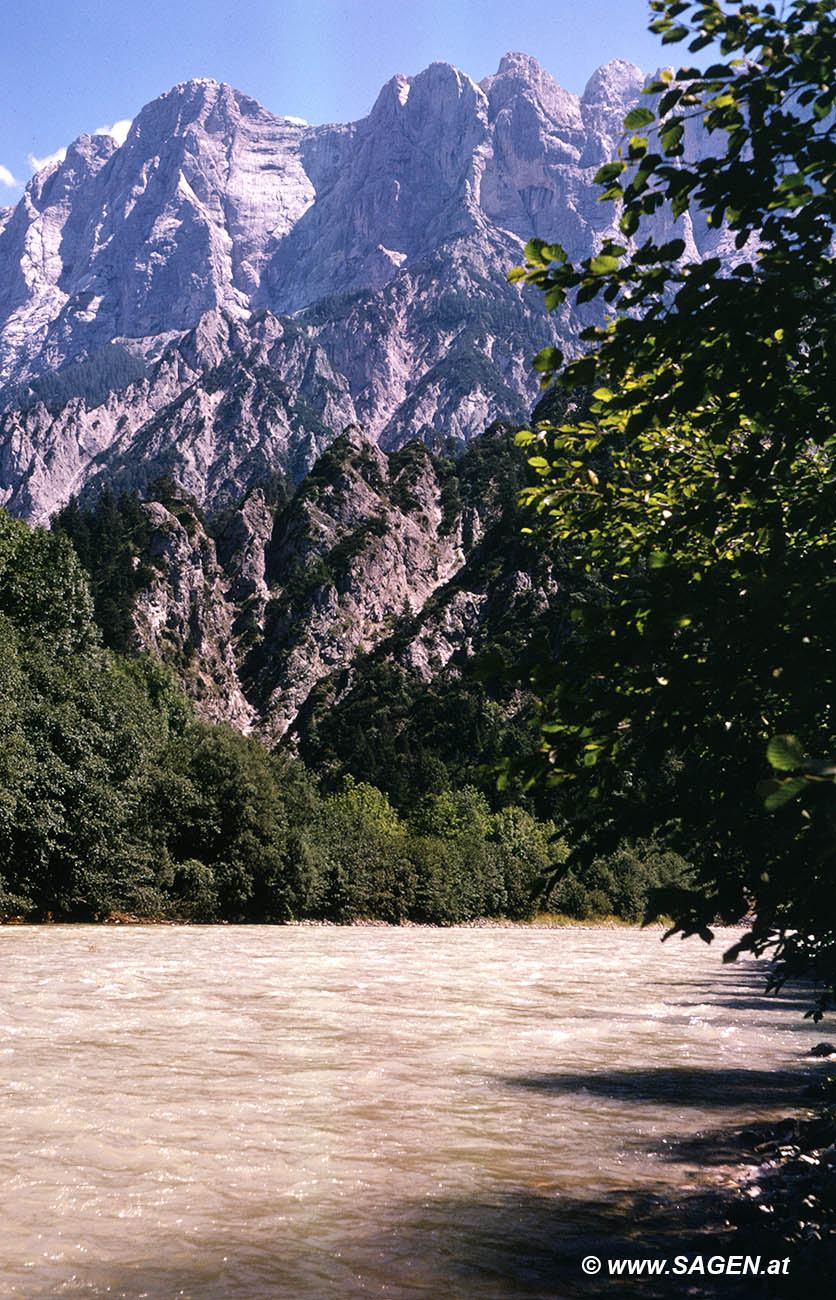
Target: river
x=332, y=1113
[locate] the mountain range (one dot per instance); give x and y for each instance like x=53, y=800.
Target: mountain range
x=282, y=338
x=220, y=295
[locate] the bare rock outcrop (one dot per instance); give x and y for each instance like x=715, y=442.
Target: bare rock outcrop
x=184, y=617
x=373, y=553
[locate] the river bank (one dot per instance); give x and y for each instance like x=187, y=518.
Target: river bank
x=545, y=921
x=789, y=1186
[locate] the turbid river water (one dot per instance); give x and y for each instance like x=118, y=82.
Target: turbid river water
x=326, y=1114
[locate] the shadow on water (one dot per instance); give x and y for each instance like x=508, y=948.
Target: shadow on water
x=743, y=990
x=697, y=1086
x=718, y=1147
x=799, y=1002
x=530, y=1246
x=522, y=1245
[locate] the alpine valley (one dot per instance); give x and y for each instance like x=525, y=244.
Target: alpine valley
x=282, y=338
x=295, y=629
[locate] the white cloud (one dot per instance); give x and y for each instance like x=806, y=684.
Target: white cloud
x=37, y=163
x=6, y=178
x=119, y=130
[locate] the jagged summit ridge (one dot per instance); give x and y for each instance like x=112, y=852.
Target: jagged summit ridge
x=521, y=74
x=360, y=269
x=191, y=212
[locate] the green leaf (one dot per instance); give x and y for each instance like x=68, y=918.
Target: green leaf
x=604, y=264
x=785, y=753
x=786, y=791
x=680, y=203
x=548, y=359
x=533, y=249
x=589, y=290
x=671, y=251
x=638, y=117
x=668, y=100
x=609, y=172
x=581, y=372
x=677, y=34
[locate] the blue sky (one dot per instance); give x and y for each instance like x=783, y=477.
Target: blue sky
x=79, y=66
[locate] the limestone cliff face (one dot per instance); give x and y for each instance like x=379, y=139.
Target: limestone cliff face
x=372, y=550
x=228, y=289
x=142, y=240
x=361, y=546
x=184, y=616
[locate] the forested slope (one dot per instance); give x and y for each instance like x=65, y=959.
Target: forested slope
x=118, y=798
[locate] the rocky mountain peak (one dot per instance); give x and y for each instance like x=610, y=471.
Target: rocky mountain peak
x=441, y=101
x=608, y=96
x=194, y=88
x=82, y=159
x=393, y=96
x=520, y=75
x=525, y=66
x=439, y=106
x=615, y=85
x=200, y=105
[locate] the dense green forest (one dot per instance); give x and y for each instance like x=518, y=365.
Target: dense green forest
x=116, y=798
x=110, y=370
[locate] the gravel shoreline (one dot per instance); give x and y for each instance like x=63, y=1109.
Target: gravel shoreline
x=785, y=1197
x=361, y=923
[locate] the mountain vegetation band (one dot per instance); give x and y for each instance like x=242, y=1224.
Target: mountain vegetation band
x=672, y=595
